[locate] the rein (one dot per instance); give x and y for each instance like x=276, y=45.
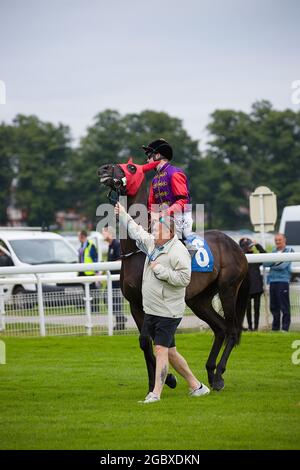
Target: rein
x=116, y=190
x=113, y=199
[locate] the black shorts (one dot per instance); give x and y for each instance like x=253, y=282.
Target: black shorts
x=161, y=329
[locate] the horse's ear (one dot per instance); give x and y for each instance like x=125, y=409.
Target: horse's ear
x=130, y=160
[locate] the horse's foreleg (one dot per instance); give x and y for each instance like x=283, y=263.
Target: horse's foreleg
x=145, y=345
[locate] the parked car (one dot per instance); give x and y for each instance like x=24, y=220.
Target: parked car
x=290, y=226
x=23, y=247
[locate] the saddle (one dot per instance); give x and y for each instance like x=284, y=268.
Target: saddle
x=200, y=253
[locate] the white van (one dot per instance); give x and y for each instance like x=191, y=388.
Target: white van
x=22, y=247
x=290, y=226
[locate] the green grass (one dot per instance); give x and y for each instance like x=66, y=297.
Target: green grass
x=83, y=392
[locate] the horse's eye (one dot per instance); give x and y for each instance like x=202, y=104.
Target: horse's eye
x=131, y=169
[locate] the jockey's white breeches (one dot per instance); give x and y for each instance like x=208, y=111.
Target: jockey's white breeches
x=184, y=224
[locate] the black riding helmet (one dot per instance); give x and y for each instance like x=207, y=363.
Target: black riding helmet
x=246, y=244
x=159, y=146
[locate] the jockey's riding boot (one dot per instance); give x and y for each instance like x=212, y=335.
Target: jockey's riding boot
x=183, y=240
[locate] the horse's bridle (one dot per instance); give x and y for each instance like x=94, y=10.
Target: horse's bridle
x=119, y=185
x=120, y=190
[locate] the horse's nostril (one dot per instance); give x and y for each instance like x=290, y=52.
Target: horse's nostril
x=104, y=168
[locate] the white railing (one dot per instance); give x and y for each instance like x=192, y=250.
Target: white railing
x=85, y=310
x=62, y=268
x=272, y=257
x=24, y=300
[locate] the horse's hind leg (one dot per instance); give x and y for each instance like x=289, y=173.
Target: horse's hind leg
x=219, y=337
x=202, y=307
x=218, y=383
x=228, y=298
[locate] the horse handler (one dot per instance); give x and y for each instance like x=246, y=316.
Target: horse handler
x=167, y=272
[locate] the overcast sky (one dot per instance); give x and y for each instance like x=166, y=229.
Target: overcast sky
x=66, y=60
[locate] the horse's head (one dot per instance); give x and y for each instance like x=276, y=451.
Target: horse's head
x=125, y=178
x=113, y=176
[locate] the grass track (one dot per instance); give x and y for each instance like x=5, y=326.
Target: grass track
x=82, y=393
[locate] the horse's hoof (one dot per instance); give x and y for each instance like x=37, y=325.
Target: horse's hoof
x=171, y=381
x=218, y=384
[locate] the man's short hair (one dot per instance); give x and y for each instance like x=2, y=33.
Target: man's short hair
x=83, y=233
x=280, y=235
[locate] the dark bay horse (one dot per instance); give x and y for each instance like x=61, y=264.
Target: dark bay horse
x=228, y=279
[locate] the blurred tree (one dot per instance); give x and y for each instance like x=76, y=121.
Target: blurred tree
x=102, y=144
x=259, y=148
x=150, y=125
x=6, y=168
x=41, y=161
x=231, y=160
x=276, y=151
x=245, y=150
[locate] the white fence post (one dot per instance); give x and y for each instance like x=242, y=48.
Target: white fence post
x=110, y=304
x=41, y=305
x=88, y=299
x=266, y=296
x=2, y=309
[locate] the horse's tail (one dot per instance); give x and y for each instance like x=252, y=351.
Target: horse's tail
x=241, y=305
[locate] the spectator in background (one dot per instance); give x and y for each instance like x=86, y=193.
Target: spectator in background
x=114, y=254
x=279, y=279
x=88, y=254
x=255, y=283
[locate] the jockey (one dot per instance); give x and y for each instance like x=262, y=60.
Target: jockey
x=169, y=191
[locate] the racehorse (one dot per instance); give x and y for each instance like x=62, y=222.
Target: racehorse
x=228, y=279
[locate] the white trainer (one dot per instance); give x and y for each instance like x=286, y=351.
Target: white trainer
x=150, y=398
x=202, y=390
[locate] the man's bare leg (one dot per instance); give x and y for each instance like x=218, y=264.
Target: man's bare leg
x=181, y=366
x=162, y=367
